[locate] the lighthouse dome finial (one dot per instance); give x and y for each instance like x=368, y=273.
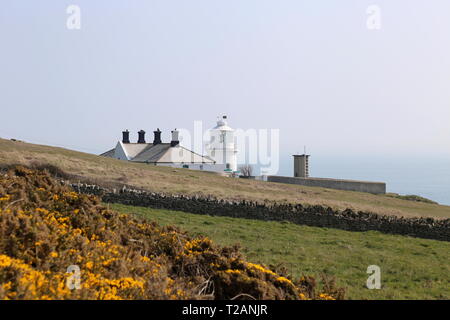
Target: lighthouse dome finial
x=222, y=121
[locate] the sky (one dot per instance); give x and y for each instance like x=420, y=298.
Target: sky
x=312, y=69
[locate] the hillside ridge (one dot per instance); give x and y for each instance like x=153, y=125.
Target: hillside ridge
x=105, y=171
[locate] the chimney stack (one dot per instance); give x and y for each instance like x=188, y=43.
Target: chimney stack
x=125, y=136
x=157, y=139
x=141, y=134
x=175, y=140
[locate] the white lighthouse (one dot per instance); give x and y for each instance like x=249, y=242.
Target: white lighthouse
x=221, y=147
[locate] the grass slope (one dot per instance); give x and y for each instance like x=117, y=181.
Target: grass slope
x=101, y=169
x=411, y=268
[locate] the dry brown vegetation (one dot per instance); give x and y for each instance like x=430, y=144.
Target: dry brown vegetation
x=106, y=170
x=45, y=227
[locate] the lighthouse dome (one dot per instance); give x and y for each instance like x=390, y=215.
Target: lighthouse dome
x=222, y=125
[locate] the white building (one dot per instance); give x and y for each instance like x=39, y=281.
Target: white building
x=222, y=147
x=158, y=153
x=221, y=150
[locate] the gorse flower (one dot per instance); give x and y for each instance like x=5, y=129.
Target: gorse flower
x=119, y=256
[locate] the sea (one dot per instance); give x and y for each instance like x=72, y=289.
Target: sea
x=424, y=176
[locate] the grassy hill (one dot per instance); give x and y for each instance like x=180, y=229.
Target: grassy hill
x=165, y=179
x=411, y=268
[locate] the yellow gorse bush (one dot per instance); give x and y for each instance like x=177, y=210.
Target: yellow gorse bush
x=47, y=228
x=26, y=283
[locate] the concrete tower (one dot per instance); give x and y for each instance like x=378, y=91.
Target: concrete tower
x=221, y=147
x=301, y=165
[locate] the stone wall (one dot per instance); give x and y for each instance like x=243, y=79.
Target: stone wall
x=349, y=185
x=317, y=216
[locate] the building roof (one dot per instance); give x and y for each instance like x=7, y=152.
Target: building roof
x=180, y=154
x=159, y=153
x=109, y=153
x=134, y=149
x=152, y=153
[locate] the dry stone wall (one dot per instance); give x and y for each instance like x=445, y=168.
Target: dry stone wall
x=317, y=216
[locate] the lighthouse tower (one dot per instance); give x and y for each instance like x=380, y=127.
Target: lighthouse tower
x=221, y=147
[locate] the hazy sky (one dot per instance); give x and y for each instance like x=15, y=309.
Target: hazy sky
x=309, y=68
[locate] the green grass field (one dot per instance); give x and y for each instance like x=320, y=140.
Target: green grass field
x=411, y=268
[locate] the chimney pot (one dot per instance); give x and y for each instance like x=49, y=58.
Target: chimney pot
x=157, y=139
x=141, y=138
x=125, y=136
x=175, y=140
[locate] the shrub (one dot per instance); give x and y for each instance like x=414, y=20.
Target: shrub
x=46, y=227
